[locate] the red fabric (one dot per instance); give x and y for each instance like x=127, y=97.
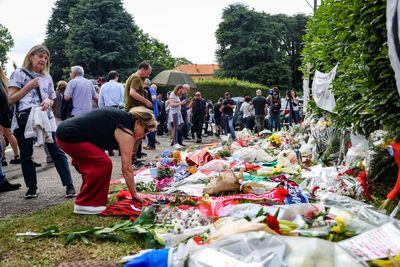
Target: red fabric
x=252, y=166
x=124, y=208
x=198, y=158
x=392, y=195
x=95, y=167
x=362, y=179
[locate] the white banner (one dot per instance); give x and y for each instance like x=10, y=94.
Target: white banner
x=321, y=92
x=392, y=25
x=306, y=94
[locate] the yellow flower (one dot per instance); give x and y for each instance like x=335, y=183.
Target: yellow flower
x=340, y=220
x=277, y=169
x=275, y=140
x=337, y=229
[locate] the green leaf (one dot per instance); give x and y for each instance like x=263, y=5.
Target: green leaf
x=69, y=238
x=84, y=239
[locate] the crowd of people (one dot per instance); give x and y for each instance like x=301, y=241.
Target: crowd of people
x=126, y=115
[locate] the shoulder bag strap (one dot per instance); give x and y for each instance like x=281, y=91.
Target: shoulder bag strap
x=37, y=88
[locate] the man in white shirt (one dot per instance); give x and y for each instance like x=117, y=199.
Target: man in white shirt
x=111, y=93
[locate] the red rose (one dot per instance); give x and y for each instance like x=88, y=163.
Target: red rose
x=273, y=223
x=311, y=214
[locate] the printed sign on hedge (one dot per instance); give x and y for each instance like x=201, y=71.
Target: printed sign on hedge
x=321, y=92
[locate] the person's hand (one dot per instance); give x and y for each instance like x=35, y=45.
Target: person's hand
x=384, y=204
x=136, y=197
x=183, y=102
x=149, y=104
x=46, y=104
x=32, y=84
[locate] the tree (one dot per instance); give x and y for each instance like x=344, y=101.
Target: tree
x=291, y=42
x=182, y=61
x=6, y=43
x=155, y=52
x=250, y=47
x=102, y=37
x=57, y=31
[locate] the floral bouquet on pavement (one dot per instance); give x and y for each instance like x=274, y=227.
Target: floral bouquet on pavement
x=165, y=176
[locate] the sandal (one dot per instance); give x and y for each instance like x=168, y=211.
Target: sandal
x=16, y=160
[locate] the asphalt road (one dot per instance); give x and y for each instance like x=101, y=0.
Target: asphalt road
x=51, y=192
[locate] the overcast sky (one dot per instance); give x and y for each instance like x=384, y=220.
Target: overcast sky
x=186, y=26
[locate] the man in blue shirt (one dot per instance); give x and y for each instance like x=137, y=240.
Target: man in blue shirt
x=151, y=136
x=111, y=93
x=81, y=91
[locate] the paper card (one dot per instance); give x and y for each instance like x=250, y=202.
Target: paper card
x=374, y=244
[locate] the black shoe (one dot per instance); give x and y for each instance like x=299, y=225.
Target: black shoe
x=16, y=160
x=4, y=162
x=70, y=193
x=31, y=193
x=182, y=144
x=198, y=141
x=143, y=154
x=37, y=164
x=6, y=186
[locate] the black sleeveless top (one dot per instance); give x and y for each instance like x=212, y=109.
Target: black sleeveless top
x=97, y=127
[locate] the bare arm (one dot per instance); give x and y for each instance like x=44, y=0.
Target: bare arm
x=125, y=142
x=173, y=104
x=15, y=94
x=135, y=95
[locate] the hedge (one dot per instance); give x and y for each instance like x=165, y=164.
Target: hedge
x=353, y=33
x=215, y=88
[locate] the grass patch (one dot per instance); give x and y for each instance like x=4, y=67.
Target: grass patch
x=25, y=251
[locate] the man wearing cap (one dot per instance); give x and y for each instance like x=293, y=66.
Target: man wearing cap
x=81, y=91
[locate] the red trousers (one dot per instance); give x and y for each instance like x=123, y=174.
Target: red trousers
x=95, y=167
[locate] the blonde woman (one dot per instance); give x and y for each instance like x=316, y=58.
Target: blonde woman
x=175, y=119
x=5, y=128
x=30, y=87
x=86, y=137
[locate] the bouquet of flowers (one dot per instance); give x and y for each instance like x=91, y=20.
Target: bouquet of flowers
x=165, y=176
x=176, y=156
x=275, y=140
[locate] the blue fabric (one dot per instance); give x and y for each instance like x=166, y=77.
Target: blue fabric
x=155, y=258
x=151, y=137
x=229, y=128
x=2, y=177
x=155, y=104
x=275, y=120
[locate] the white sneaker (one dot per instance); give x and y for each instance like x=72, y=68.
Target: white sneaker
x=78, y=209
x=178, y=146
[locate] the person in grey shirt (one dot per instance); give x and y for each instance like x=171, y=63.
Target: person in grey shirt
x=81, y=91
x=111, y=93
